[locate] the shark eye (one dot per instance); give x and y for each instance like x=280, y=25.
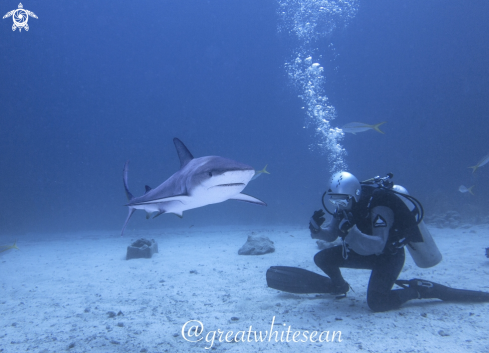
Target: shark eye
x=210, y=174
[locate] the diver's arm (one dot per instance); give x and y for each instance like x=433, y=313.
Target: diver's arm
x=330, y=233
x=363, y=244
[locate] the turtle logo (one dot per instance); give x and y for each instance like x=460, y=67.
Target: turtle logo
x=20, y=17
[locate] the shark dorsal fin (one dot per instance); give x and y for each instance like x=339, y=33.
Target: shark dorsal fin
x=183, y=153
x=148, y=188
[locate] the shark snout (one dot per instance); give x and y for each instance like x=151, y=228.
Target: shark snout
x=231, y=179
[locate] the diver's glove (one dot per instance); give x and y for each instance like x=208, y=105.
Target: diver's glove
x=316, y=221
x=346, y=222
x=331, y=232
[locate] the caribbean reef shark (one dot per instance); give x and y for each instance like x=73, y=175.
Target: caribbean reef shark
x=199, y=182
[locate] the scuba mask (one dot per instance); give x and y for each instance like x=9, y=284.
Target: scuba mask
x=340, y=200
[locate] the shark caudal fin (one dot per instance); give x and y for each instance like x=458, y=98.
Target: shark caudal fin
x=470, y=190
x=131, y=211
x=376, y=127
x=128, y=194
x=124, y=179
x=183, y=153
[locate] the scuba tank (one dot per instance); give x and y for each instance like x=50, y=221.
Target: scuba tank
x=425, y=253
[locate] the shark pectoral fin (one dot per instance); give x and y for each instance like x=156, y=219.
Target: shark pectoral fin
x=248, y=198
x=131, y=211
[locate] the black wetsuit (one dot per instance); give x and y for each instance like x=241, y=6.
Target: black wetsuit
x=382, y=221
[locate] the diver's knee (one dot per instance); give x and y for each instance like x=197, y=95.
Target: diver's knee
x=320, y=258
x=317, y=258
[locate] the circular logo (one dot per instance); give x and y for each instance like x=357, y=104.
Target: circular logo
x=20, y=17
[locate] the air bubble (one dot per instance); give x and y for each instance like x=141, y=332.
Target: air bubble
x=310, y=20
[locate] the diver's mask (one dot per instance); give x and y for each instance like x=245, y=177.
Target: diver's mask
x=340, y=201
x=343, y=188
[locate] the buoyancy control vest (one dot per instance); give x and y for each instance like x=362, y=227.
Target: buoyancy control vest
x=403, y=230
x=406, y=229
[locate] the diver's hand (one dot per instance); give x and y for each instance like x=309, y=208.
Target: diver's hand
x=346, y=222
x=331, y=232
x=316, y=221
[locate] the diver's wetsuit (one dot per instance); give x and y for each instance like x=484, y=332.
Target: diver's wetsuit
x=368, y=245
x=385, y=270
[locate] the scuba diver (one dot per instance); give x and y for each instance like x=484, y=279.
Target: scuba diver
x=375, y=220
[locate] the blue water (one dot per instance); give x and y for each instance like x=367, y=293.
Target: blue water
x=93, y=84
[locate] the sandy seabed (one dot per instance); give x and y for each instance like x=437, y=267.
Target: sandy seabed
x=77, y=293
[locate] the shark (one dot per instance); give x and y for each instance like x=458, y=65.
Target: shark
x=199, y=182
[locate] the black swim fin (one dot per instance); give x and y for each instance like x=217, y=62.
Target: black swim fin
x=428, y=289
x=297, y=280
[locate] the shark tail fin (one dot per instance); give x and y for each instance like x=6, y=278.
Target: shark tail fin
x=470, y=190
x=124, y=179
x=264, y=170
x=376, y=127
x=131, y=211
x=15, y=245
x=474, y=168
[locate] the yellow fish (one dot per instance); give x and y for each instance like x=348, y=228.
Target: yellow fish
x=361, y=127
x=8, y=247
x=482, y=162
x=463, y=189
x=260, y=172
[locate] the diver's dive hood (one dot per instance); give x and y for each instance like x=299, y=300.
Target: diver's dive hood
x=344, y=183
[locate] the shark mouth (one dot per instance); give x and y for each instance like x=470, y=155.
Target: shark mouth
x=228, y=185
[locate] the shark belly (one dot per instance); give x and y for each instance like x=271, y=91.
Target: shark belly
x=153, y=207
x=216, y=194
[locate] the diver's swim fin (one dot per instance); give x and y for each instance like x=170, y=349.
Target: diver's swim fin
x=297, y=280
x=428, y=289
